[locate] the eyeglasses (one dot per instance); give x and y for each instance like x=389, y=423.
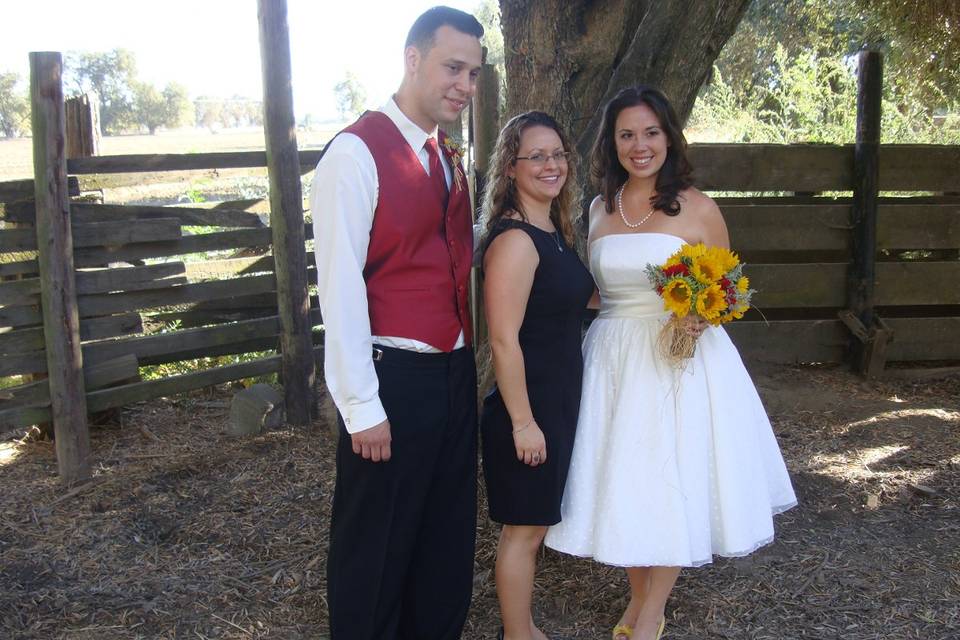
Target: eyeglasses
x=540, y=159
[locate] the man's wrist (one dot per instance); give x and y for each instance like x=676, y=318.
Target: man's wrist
x=360, y=417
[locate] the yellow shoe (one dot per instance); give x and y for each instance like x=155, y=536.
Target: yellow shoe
x=622, y=631
x=663, y=623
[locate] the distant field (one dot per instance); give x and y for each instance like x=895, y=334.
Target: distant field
x=162, y=188
x=16, y=156
x=16, y=162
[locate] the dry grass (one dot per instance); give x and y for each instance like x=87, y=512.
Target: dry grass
x=187, y=534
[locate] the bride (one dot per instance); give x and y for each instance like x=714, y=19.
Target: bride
x=670, y=465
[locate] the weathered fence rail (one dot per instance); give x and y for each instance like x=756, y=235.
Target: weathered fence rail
x=122, y=290
x=150, y=163
x=802, y=249
x=799, y=249
x=816, y=167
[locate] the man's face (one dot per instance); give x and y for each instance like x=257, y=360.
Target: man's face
x=445, y=77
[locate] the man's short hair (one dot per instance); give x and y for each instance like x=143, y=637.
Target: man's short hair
x=423, y=32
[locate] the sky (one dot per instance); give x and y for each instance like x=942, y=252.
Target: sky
x=212, y=46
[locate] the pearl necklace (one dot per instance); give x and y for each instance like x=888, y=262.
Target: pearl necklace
x=632, y=225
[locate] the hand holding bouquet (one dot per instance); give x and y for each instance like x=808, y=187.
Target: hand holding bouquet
x=698, y=280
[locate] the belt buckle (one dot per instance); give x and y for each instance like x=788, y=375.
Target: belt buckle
x=377, y=354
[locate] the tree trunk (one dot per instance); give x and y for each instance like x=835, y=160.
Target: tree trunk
x=569, y=57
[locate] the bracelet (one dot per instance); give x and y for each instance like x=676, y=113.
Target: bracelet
x=516, y=431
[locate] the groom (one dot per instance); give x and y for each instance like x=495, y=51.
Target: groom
x=392, y=229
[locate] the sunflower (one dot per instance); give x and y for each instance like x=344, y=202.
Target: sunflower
x=692, y=251
x=735, y=313
x=711, y=302
x=726, y=260
x=676, y=297
x=707, y=269
x=743, y=284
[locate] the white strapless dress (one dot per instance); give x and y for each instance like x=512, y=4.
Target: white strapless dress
x=669, y=466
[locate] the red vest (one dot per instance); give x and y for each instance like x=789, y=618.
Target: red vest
x=418, y=262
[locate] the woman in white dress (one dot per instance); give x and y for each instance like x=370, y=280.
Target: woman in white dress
x=670, y=465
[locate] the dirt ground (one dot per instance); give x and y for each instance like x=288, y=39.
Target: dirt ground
x=185, y=533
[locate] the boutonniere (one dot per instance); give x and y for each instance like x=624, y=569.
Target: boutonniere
x=455, y=154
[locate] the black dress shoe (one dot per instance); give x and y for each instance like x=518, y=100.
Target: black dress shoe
x=500, y=634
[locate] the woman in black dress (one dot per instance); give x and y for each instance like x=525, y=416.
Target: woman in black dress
x=535, y=292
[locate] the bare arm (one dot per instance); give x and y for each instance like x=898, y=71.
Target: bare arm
x=509, y=266
x=593, y=215
x=594, y=302
x=713, y=234
x=714, y=228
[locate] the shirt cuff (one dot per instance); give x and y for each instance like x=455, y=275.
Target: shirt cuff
x=360, y=417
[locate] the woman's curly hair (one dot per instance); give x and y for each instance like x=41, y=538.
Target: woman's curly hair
x=500, y=197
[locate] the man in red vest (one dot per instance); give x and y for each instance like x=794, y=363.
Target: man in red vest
x=393, y=236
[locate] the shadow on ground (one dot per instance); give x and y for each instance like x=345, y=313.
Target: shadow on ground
x=187, y=534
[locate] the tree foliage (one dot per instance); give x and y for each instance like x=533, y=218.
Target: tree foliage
x=208, y=111
x=241, y=111
x=221, y=113
x=351, y=96
x=922, y=42
x=488, y=14
x=126, y=103
x=154, y=109
x=113, y=76
x=14, y=105
x=789, y=72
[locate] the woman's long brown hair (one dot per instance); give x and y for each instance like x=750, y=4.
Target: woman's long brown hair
x=606, y=172
x=500, y=197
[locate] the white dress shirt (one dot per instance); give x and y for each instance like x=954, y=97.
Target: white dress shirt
x=343, y=199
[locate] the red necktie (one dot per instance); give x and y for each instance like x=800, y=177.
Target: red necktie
x=437, y=176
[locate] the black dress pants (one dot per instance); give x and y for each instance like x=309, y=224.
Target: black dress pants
x=402, y=532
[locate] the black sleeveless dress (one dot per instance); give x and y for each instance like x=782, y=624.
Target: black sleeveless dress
x=550, y=339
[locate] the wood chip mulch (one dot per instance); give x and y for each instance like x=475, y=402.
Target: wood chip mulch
x=186, y=533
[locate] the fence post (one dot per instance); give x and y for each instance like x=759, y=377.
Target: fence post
x=286, y=212
x=83, y=126
x=454, y=129
x=485, y=118
x=871, y=335
x=58, y=294
x=485, y=122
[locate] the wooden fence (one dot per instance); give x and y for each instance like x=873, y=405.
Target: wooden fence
x=136, y=267
x=865, y=278
x=137, y=271
x=799, y=249
x=149, y=292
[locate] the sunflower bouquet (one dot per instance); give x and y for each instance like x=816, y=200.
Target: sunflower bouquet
x=701, y=280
